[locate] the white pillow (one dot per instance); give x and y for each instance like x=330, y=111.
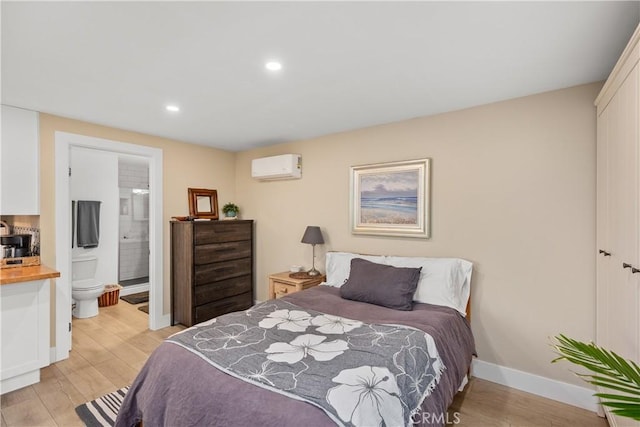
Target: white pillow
x=338, y=266
x=443, y=281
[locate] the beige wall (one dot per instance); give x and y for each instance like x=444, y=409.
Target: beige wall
x=184, y=166
x=513, y=191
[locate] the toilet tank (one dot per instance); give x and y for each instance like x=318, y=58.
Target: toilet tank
x=83, y=267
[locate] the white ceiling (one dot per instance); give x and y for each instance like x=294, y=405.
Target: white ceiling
x=345, y=65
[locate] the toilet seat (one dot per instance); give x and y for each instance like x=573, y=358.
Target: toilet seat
x=87, y=290
x=86, y=285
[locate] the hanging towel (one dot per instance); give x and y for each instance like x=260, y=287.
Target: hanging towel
x=88, y=218
x=73, y=223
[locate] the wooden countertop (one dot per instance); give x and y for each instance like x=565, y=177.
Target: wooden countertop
x=26, y=274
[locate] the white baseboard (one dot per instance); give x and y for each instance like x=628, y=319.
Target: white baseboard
x=163, y=322
x=134, y=289
x=570, y=394
x=19, y=381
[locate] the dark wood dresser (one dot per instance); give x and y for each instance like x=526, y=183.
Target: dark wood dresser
x=211, y=269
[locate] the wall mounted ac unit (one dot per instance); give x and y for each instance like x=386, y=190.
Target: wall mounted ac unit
x=285, y=166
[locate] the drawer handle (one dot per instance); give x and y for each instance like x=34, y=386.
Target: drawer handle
x=605, y=253
x=283, y=291
x=635, y=270
x=625, y=265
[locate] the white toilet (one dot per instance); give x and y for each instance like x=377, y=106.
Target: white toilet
x=85, y=290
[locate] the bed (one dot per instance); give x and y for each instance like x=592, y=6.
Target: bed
x=361, y=349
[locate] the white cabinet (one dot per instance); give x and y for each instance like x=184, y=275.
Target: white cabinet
x=618, y=211
x=24, y=333
x=20, y=162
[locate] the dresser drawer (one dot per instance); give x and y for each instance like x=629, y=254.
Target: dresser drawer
x=204, y=254
x=223, y=306
x=217, y=271
x=227, y=231
x=282, y=289
x=205, y=294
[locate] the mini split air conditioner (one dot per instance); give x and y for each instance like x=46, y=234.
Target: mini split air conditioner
x=285, y=166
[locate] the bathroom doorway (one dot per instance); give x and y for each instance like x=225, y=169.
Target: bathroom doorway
x=133, y=230
x=64, y=142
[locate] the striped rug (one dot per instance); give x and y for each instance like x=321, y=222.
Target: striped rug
x=102, y=412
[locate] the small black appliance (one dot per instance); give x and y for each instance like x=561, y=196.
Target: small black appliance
x=21, y=244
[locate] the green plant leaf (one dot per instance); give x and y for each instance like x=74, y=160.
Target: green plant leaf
x=629, y=413
x=613, y=387
x=609, y=370
x=618, y=397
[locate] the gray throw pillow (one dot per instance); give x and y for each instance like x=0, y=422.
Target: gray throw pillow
x=380, y=284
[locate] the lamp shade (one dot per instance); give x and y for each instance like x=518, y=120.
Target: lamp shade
x=312, y=235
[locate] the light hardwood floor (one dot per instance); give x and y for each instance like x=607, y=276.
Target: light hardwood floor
x=108, y=351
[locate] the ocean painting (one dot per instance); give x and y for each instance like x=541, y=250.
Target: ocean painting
x=389, y=198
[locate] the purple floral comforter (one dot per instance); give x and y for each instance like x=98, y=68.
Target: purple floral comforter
x=312, y=358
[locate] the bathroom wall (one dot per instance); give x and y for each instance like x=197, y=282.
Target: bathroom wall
x=94, y=176
x=133, y=183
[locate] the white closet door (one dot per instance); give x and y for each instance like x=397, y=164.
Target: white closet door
x=603, y=260
x=618, y=213
x=623, y=324
x=618, y=226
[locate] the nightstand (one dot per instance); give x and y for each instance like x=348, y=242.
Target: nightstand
x=280, y=284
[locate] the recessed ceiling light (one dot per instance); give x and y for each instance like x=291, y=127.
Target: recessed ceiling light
x=172, y=108
x=273, y=66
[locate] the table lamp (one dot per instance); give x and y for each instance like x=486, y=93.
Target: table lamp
x=313, y=236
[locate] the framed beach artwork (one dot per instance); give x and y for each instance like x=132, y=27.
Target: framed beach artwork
x=391, y=199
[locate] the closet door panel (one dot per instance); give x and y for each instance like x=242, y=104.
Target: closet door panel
x=622, y=289
x=627, y=125
x=616, y=190
x=603, y=262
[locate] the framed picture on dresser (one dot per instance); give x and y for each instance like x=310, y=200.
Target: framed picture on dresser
x=203, y=203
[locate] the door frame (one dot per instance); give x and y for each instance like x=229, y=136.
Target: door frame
x=63, y=143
